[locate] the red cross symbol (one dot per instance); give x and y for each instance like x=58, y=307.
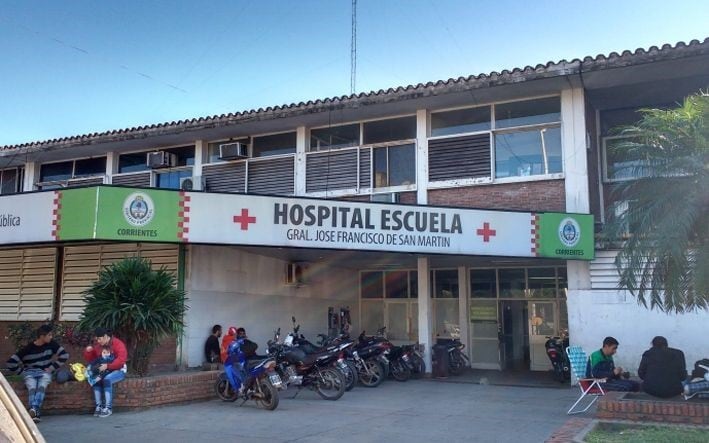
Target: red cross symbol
x=244, y=219
x=486, y=232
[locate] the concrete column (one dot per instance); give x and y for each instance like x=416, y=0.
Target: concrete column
x=464, y=308
x=425, y=305
x=111, y=166
x=201, y=151
x=301, y=146
x=31, y=176
x=422, y=125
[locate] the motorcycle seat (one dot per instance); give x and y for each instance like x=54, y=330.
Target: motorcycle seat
x=252, y=362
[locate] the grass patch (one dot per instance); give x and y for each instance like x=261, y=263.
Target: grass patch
x=618, y=432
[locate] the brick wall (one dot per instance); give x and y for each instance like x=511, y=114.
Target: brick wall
x=547, y=195
x=614, y=406
x=132, y=393
x=163, y=359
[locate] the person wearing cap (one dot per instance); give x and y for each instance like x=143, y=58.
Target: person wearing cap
x=226, y=341
x=36, y=362
x=662, y=369
x=103, y=389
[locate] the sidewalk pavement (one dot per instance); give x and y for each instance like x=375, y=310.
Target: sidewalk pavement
x=415, y=411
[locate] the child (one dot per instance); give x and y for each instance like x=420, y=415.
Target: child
x=93, y=375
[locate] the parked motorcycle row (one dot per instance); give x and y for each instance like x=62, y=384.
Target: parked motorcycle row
x=335, y=365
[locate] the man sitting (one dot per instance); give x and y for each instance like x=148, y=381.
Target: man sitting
x=662, y=369
x=600, y=365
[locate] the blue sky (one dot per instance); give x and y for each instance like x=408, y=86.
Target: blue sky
x=75, y=67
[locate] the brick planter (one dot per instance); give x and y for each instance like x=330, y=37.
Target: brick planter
x=623, y=406
x=131, y=393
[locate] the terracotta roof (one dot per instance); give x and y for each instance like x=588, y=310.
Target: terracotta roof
x=550, y=69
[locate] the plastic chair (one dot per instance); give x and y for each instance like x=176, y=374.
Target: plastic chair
x=589, y=386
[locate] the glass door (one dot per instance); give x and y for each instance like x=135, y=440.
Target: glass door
x=484, y=334
x=542, y=324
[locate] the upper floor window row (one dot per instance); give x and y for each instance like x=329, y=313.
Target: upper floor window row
x=366, y=133
x=67, y=170
x=138, y=161
x=262, y=146
x=11, y=180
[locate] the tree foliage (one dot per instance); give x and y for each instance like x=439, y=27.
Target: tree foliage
x=140, y=305
x=664, y=261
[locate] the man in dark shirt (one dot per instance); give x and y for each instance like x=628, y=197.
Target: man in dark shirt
x=662, y=369
x=211, y=347
x=37, y=361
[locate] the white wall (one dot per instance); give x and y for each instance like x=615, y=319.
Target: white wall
x=594, y=315
x=234, y=288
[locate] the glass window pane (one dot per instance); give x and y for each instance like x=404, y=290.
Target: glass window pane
x=372, y=315
x=396, y=284
x=393, y=129
x=397, y=321
x=543, y=319
x=512, y=283
x=133, y=162
x=9, y=181
x=446, y=284
x=563, y=282
x=381, y=177
x=530, y=112
x=274, y=144
x=56, y=171
x=335, y=137
x=485, y=352
x=447, y=320
x=460, y=121
x=171, y=180
x=402, y=165
x=525, y=153
x=483, y=283
x=185, y=155
x=90, y=166
x=414, y=284
x=542, y=282
x=372, y=284
x=414, y=320
x=622, y=163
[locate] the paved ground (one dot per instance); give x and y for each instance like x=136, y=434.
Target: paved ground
x=415, y=411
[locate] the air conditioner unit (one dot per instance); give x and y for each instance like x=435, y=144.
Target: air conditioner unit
x=295, y=274
x=161, y=159
x=189, y=183
x=230, y=151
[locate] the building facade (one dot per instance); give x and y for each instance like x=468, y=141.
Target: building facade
x=461, y=208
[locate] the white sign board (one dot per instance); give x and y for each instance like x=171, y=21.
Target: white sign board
x=28, y=218
x=309, y=223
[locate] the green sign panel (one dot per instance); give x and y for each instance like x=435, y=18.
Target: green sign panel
x=76, y=213
x=567, y=236
x=484, y=312
x=138, y=214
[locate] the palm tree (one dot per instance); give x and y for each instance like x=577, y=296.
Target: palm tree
x=141, y=305
x=665, y=258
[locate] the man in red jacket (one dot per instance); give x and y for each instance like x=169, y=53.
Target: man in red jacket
x=104, y=388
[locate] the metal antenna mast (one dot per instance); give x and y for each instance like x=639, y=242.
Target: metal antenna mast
x=353, y=51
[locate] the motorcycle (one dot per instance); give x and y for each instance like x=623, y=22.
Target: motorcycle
x=313, y=371
x=556, y=347
x=415, y=360
x=457, y=360
x=248, y=379
x=369, y=356
x=399, y=363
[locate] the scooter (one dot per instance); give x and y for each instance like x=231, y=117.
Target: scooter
x=555, y=347
x=252, y=379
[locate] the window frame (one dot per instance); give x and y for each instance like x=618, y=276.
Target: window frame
x=19, y=179
x=604, y=157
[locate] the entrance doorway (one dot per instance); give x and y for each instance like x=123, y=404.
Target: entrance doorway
x=514, y=336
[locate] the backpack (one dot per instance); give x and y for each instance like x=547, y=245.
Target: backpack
x=699, y=371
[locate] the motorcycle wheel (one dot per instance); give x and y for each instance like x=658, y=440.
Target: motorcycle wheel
x=400, y=371
x=456, y=364
x=330, y=384
x=269, y=401
x=419, y=366
x=373, y=376
x=223, y=389
x=350, y=373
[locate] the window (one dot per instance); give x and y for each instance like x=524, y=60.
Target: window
x=530, y=112
x=171, y=179
x=542, y=282
x=394, y=166
x=10, y=181
x=90, y=167
x=460, y=121
x=372, y=284
x=56, y=171
x=334, y=137
x=382, y=131
x=274, y=144
x=445, y=283
x=512, y=283
x=621, y=164
x=527, y=153
x=396, y=284
x=445, y=303
x=133, y=162
x=483, y=283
